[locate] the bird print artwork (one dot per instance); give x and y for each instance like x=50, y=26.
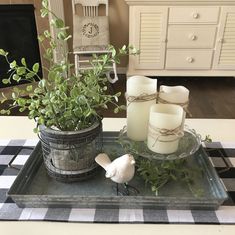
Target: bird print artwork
x=121, y=170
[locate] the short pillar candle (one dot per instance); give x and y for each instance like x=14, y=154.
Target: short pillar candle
x=164, y=128
x=174, y=95
x=141, y=94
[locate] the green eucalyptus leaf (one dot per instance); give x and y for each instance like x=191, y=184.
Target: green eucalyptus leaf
x=59, y=23
x=114, y=52
x=63, y=96
x=35, y=130
x=62, y=35
x=124, y=48
x=23, y=62
x=58, y=92
x=22, y=109
x=64, y=67
x=16, y=77
x=21, y=102
x=3, y=53
x=43, y=111
x=118, y=94
x=82, y=100
x=45, y=102
x=20, y=71
x=58, y=78
x=36, y=67
x=49, y=52
x=13, y=64
x=123, y=107
x=42, y=83
x=53, y=44
x=45, y=3
x=87, y=113
x=116, y=110
x=29, y=75
x=29, y=88
x=74, y=92
x=40, y=120
x=47, y=34
x=44, y=12
x=52, y=98
x=51, y=75
x=41, y=38
x=3, y=111
x=5, y=81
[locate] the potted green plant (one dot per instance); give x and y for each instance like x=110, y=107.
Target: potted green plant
x=66, y=107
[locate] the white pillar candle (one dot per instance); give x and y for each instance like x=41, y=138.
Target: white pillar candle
x=164, y=118
x=138, y=111
x=174, y=95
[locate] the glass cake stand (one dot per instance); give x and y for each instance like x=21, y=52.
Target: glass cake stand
x=188, y=145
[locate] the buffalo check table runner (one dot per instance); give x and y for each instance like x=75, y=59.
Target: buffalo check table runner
x=222, y=156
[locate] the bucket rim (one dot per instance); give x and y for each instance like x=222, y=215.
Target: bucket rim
x=50, y=130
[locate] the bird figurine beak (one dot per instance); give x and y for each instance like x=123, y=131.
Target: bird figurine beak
x=132, y=162
x=131, y=159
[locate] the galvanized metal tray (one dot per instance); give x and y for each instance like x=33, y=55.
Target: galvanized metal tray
x=34, y=188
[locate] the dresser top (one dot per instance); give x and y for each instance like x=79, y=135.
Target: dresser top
x=182, y=2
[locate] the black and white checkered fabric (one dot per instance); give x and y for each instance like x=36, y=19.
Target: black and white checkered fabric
x=9, y=210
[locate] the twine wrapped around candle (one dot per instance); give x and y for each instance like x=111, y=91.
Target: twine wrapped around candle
x=156, y=133
x=141, y=98
x=183, y=105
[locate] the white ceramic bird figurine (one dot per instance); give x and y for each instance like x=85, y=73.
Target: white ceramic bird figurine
x=121, y=170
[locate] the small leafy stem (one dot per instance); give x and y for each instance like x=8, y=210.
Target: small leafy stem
x=207, y=139
x=159, y=173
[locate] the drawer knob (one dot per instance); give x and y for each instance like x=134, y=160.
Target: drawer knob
x=193, y=37
x=196, y=15
x=221, y=40
x=190, y=59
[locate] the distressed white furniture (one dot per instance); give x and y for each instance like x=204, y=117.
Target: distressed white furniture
x=182, y=38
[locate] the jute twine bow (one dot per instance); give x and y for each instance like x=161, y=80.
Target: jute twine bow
x=141, y=98
x=183, y=105
x=156, y=133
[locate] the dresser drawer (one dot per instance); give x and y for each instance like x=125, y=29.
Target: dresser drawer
x=191, y=36
x=194, y=15
x=188, y=59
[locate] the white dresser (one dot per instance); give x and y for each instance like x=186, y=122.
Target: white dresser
x=182, y=38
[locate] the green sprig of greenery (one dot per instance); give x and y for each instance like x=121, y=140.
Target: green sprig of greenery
x=158, y=173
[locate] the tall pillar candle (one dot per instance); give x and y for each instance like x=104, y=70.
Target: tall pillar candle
x=164, y=128
x=174, y=95
x=141, y=94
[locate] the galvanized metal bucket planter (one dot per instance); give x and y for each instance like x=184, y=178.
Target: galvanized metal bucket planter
x=70, y=155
